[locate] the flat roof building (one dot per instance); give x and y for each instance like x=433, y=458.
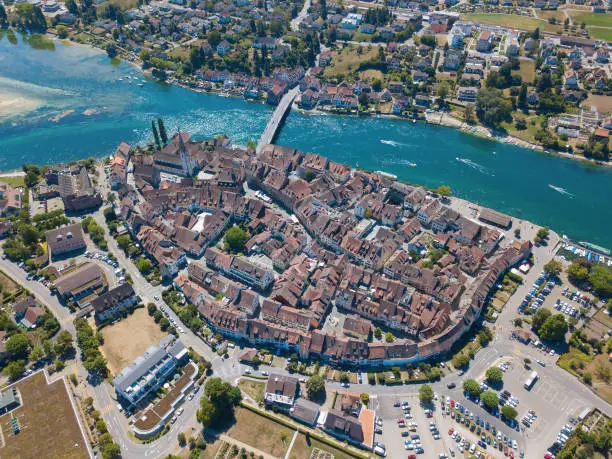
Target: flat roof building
x=149, y=371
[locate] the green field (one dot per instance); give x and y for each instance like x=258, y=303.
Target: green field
x=527, y=70
x=348, y=60
x=592, y=19
x=599, y=33
x=508, y=20
x=13, y=181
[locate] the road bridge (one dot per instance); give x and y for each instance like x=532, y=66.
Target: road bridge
x=277, y=118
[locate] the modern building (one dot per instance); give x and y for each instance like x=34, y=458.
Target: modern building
x=136, y=383
x=112, y=303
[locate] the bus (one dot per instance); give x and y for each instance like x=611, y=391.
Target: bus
x=531, y=380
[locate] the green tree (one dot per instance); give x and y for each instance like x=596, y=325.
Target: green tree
x=72, y=7
x=468, y=113
x=389, y=337
x=162, y=131
x=144, y=265
x=461, y=361
x=365, y=398
x=542, y=234
x=37, y=353
x=539, y=318
x=235, y=238
x=377, y=333
x=494, y=375
x=554, y=328
x=472, y=387
x=14, y=370
x=490, y=399
x=315, y=387
x=62, y=31
x=492, y=108
x=64, y=342
x=577, y=272
x=426, y=393
x=112, y=451
x=444, y=190
x=182, y=440
x=18, y=346
x=224, y=397
x=207, y=412
x=553, y=267
x=214, y=38
x=3, y=16
x=600, y=277
x=509, y=412
x=155, y=134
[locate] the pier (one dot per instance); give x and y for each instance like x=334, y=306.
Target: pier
x=277, y=118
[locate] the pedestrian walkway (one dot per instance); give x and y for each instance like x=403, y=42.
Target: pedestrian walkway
x=295, y=434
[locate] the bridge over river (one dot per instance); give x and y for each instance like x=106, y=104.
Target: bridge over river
x=277, y=118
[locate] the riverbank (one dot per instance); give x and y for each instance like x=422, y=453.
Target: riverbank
x=442, y=119
x=482, y=131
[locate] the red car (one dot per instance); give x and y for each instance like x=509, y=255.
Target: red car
x=412, y=456
x=505, y=450
x=453, y=403
x=512, y=454
x=450, y=431
x=400, y=420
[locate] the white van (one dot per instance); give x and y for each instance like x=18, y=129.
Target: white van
x=472, y=448
x=380, y=451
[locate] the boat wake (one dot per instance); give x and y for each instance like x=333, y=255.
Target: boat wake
x=561, y=190
x=479, y=167
x=398, y=162
x=393, y=143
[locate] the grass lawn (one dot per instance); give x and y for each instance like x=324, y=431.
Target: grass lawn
x=508, y=20
x=259, y=432
x=348, y=60
x=525, y=134
x=129, y=338
x=123, y=4
x=7, y=284
x=13, y=181
x=603, y=103
x=527, y=70
x=371, y=74
x=254, y=389
x=302, y=449
x=600, y=33
x=592, y=19
x=575, y=358
x=49, y=426
x=558, y=15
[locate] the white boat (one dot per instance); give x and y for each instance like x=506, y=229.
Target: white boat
x=120, y=79
x=140, y=85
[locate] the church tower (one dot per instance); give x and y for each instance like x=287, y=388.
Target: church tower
x=185, y=157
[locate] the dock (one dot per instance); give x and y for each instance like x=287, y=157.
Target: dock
x=277, y=118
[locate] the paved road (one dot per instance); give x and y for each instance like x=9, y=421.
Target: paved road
x=295, y=22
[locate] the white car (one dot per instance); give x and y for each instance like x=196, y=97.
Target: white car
x=180, y=411
x=156, y=297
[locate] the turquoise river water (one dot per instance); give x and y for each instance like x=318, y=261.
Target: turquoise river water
x=66, y=102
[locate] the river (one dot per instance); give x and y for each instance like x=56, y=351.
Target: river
x=569, y=196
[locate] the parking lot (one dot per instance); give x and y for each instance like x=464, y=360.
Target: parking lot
x=416, y=424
